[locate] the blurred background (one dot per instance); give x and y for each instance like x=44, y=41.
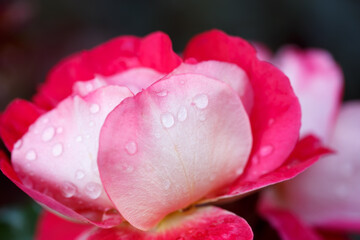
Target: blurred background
x=36, y=34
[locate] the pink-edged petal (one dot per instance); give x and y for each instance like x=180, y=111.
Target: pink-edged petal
x=209, y=223
x=51, y=226
x=42, y=198
x=113, y=57
x=328, y=193
x=306, y=152
x=227, y=72
x=183, y=138
x=318, y=82
x=58, y=155
x=286, y=223
x=16, y=119
x=135, y=79
x=275, y=116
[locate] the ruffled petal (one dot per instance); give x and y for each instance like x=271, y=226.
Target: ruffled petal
x=209, y=223
x=16, y=119
x=58, y=155
x=53, y=227
x=226, y=72
x=115, y=56
x=275, y=117
x=183, y=138
x=328, y=193
x=318, y=82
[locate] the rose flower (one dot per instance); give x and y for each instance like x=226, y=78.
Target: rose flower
x=130, y=132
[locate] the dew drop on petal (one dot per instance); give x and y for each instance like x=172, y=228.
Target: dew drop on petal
x=45, y=120
x=18, y=144
x=131, y=147
x=78, y=139
x=239, y=171
x=266, y=150
x=93, y=190
x=182, y=114
x=91, y=123
x=57, y=149
x=68, y=189
x=31, y=155
x=163, y=93
x=59, y=130
x=48, y=134
x=79, y=174
x=167, y=120
x=271, y=121
x=94, y=108
x=201, y=101
x=202, y=117
x=127, y=168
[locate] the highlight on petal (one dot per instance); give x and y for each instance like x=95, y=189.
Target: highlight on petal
x=53, y=227
x=113, y=57
x=275, y=116
x=328, y=193
x=58, y=155
x=179, y=140
x=16, y=119
x=226, y=72
x=209, y=223
x=318, y=82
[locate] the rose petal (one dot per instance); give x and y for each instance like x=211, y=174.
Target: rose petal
x=177, y=141
x=333, y=198
x=54, y=227
x=58, y=156
x=275, y=117
x=226, y=72
x=115, y=56
x=16, y=119
x=209, y=223
x=318, y=82
x=288, y=225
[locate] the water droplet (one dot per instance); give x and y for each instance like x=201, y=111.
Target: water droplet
x=266, y=150
x=31, y=155
x=182, y=114
x=78, y=139
x=201, y=101
x=163, y=93
x=110, y=214
x=167, y=120
x=79, y=174
x=271, y=121
x=127, y=168
x=239, y=171
x=59, y=130
x=18, y=144
x=45, y=120
x=167, y=184
x=94, y=108
x=255, y=160
x=93, y=190
x=182, y=82
x=27, y=182
x=91, y=123
x=48, y=134
x=89, y=87
x=202, y=117
x=68, y=189
x=131, y=147
x=57, y=150
x=87, y=135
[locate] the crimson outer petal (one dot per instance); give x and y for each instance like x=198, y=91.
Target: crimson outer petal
x=275, y=118
x=16, y=119
x=54, y=227
x=9, y=172
x=122, y=53
x=209, y=223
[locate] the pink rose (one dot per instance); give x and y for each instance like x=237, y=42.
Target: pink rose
x=327, y=194
x=130, y=131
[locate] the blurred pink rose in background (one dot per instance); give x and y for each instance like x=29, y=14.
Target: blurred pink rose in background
x=326, y=196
